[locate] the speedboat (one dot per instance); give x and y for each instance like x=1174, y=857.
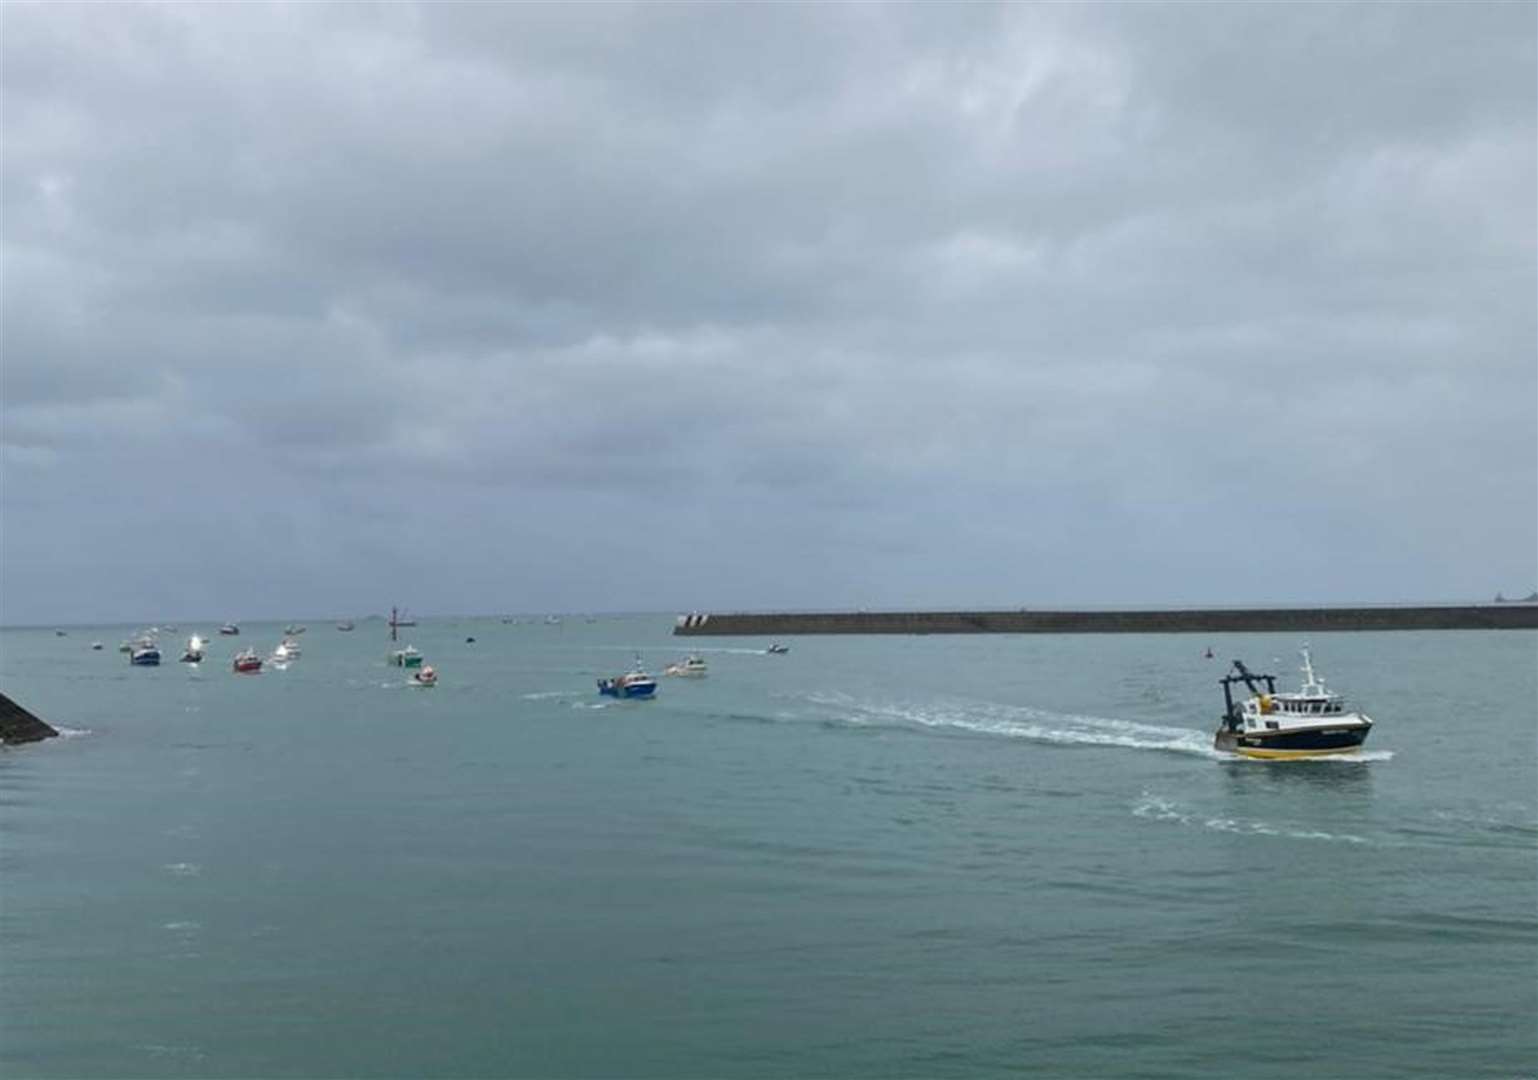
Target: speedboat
x=247, y=662
x=345, y=624
x=1311, y=722
x=777, y=649
x=96, y=646
x=407, y=657
x=194, y=651
x=229, y=629
x=425, y=678
x=691, y=668
x=145, y=654
x=635, y=683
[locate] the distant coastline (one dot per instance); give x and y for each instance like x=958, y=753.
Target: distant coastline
x=1503, y=616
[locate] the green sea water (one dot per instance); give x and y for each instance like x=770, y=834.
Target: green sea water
x=871, y=857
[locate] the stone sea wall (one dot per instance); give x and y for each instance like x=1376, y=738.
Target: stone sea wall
x=1173, y=621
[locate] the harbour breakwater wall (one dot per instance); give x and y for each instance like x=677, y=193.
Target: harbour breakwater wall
x=1172, y=621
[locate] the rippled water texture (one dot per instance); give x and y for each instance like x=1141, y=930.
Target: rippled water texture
x=870, y=857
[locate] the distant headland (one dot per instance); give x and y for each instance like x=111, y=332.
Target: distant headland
x=1502, y=615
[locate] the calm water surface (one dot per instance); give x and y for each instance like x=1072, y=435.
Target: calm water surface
x=871, y=857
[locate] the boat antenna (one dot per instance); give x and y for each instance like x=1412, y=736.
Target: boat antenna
x=392, y=624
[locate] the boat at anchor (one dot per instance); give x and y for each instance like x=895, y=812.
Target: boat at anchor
x=1311, y=722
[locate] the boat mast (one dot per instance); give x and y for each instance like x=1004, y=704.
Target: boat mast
x=392, y=624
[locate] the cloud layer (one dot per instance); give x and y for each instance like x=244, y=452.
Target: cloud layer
x=510, y=307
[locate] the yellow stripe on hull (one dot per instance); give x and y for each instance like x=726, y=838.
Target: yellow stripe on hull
x=1283, y=755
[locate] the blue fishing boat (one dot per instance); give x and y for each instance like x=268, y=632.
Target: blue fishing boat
x=145, y=656
x=635, y=683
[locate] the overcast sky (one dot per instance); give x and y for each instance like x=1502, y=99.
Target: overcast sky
x=314, y=309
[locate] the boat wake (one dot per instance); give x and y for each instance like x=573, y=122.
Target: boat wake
x=1022, y=722
x=1152, y=807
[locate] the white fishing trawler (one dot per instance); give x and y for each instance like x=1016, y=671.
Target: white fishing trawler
x=1311, y=722
x=691, y=668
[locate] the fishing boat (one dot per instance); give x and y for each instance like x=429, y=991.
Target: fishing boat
x=280, y=656
x=691, y=668
x=407, y=657
x=291, y=646
x=1310, y=722
x=400, y=618
x=145, y=655
x=635, y=683
x=229, y=629
x=427, y=677
x=193, y=654
x=247, y=662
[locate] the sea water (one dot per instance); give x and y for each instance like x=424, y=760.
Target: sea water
x=901, y=856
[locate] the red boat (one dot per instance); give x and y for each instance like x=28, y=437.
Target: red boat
x=248, y=662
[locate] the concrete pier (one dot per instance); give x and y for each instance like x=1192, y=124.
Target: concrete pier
x=17, y=725
x=1517, y=616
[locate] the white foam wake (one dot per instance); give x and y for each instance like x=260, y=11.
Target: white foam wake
x=1158, y=808
x=1024, y=722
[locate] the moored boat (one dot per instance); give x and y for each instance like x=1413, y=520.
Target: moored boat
x=425, y=678
x=96, y=646
x=407, y=657
x=247, y=662
x=345, y=624
x=294, y=628
x=229, y=629
x=193, y=654
x=1311, y=722
x=145, y=655
x=635, y=683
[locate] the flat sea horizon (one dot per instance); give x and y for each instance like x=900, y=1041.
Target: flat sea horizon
x=935, y=856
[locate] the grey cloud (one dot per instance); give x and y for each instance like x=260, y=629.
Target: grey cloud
x=858, y=304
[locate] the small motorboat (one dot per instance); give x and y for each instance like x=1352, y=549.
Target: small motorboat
x=60, y=633
x=407, y=657
x=247, y=662
x=777, y=649
x=145, y=655
x=96, y=646
x=345, y=624
x=635, y=683
x=291, y=646
x=425, y=677
x=1313, y=722
x=293, y=629
x=193, y=654
x=691, y=668
x=229, y=629
x=281, y=655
